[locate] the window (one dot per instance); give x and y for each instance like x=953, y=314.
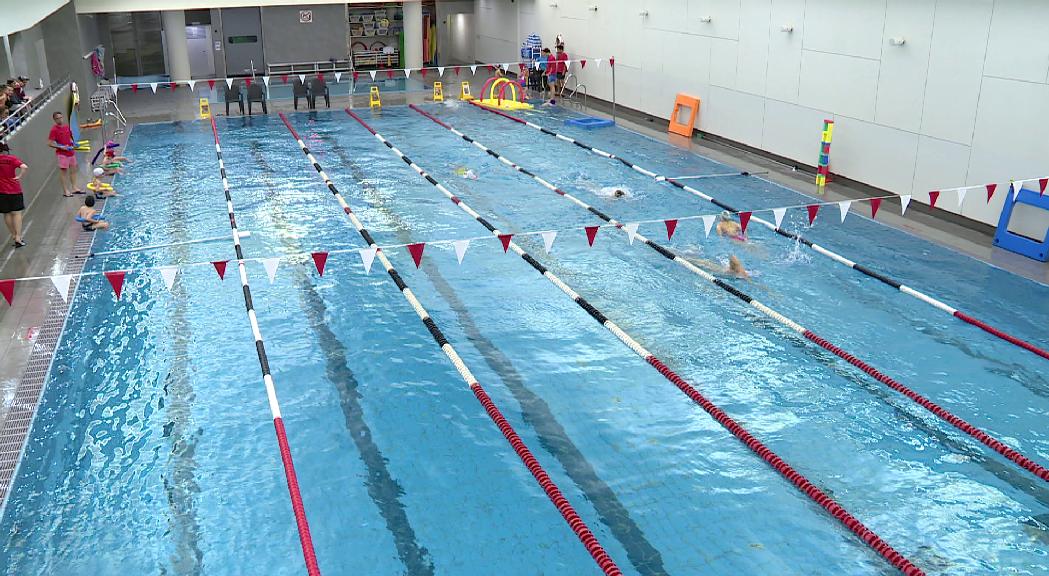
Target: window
x=242, y=39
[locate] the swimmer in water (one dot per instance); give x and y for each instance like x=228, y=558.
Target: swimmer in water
x=615, y=192
x=729, y=227
x=464, y=172
x=734, y=269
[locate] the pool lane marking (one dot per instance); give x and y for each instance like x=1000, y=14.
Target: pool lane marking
x=884, y=279
x=942, y=413
x=564, y=507
x=802, y=483
x=301, y=522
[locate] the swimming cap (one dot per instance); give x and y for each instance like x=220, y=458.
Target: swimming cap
x=99, y=171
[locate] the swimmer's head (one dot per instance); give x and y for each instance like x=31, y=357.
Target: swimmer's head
x=98, y=172
x=619, y=193
x=726, y=215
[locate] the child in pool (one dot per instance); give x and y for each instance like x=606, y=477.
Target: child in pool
x=100, y=188
x=464, y=172
x=616, y=192
x=730, y=228
x=734, y=268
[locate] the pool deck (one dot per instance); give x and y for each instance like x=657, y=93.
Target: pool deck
x=26, y=327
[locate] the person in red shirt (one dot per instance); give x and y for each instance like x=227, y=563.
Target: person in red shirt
x=61, y=139
x=562, y=67
x=11, y=201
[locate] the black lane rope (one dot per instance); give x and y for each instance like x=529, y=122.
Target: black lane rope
x=802, y=483
x=985, y=438
x=645, y=558
x=575, y=522
x=302, y=524
x=934, y=302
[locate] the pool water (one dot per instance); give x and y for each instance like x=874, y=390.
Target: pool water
x=153, y=450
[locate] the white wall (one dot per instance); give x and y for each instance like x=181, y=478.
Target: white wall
x=455, y=31
x=19, y=15
x=964, y=101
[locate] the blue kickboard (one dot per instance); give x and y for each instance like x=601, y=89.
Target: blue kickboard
x=1030, y=247
x=589, y=122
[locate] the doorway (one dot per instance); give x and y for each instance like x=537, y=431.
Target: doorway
x=460, y=49
x=198, y=44
x=242, y=28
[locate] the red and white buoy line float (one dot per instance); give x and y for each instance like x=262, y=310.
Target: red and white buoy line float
x=942, y=413
x=301, y=522
x=575, y=522
x=806, y=487
x=746, y=216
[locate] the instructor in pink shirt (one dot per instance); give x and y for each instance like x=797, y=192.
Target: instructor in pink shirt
x=61, y=139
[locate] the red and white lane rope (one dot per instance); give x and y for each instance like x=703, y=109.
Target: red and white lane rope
x=271, y=393
x=922, y=401
x=934, y=302
x=786, y=470
x=575, y=522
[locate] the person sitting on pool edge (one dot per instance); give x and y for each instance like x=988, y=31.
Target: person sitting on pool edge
x=89, y=218
x=100, y=188
x=730, y=228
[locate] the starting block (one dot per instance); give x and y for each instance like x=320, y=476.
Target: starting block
x=691, y=103
x=1013, y=242
x=373, y=98
x=205, y=109
x=438, y=92
x=464, y=91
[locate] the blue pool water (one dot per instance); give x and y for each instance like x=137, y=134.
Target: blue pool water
x=153, y=451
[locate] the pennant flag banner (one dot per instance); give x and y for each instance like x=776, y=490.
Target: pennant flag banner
x=460, y=249
x=591, y=233
x=247, y=82
x=266, y=81
x=671, y=226
x=407, y=72
x=220, y=267
x=302, y=78
x=506, y=67
x=211, y=84
x=612, y=61
x=416, y=250
x=933, y=197
x=597, y=62
x=167, y=273
x=270, y=264
x=134, y=88
x=1042, y=183
x=813, y=210
x=905, y=200
x=875, y=204
x=961, y=196
x=548, y=240
x=536, y=63
x=582, y=62
x=115, y=87
x=284, y=78
x=744, y=219
x=990, y=191
x=422, y=71
x=320, y=76
x=356, y=75
x=229, y=83
x=1017, y=186
x=440, y=70
x=319, y=260
x=777, y=215
x=367, y=257
x=473, y=69
x=843, y=207
x=153, y=86
x=389, y=74
x=505, y=239
x=7, y=288
x=338, y=76
x=116, y=280
x=631, y=231
x=173, y=85
x=456, y=70
x=708, y=223
x=192, y=84
x=62, y=285
x=372, y=74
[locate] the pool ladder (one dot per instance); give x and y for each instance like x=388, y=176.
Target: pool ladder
x=575, y=88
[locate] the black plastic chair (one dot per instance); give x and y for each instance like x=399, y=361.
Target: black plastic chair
x=299, y=90
x=319, y=87
x=234, y=92
x=257, y=94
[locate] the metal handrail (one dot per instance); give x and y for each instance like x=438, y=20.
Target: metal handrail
x=315, y=67
x=577, y=87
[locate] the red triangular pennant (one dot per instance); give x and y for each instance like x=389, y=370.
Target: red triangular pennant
x=7, y=288
x=582, y=63
x=355, y=75
x=456, y=70
x=591, y=233
x=875, y=204
x=505, y=239
x=319, y=259
x=933, y=197
x=284, y=78
x=211, y=84
x=491, y=68
x=247, y=82
x=422, y=72
x=990, y=191
x=320, y=76
x=416, y=250
x=671, y=226
x=612, y=61
x=813, y=210
x=389, y=74
x=134, y=87
x=116, y=280
x=173, y=85
x=744, y=219
x=220, y=267
x=1042, y=182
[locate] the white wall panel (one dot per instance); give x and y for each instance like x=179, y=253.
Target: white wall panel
x=724, y=57
x=753, y=59
x=942, y=164
x=724, y=18
x=901, y=81
x=784, y=67
x=793, y=131
x=845, y=84
x=878, y=155
x=669, y=15
x=852, y=27
x=735, y=115
x=1018, y=46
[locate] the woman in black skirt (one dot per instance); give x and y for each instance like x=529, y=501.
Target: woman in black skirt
x=11, y=202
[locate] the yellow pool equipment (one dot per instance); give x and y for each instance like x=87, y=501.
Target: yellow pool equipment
x=205, y=109
x=100, y=187
x=83, y=146
x=504, y=94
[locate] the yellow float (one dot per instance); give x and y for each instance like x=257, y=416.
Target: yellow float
x=504, y=94
x=100, y=187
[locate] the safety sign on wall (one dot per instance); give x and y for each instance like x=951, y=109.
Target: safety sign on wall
x=305, y=16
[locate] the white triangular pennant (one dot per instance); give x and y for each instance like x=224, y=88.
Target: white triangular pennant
x=536, y=64
x=961, y=196
x=153, y=87
x=631, y=231
x=905, y=201
x=338, y=76
x=473, y=69
x=1017, y=186
x=191, y=83
x=460, y=249
x=372, y=74
x=597, y=62
x=368, y=256
x=115, y=87
x=708, y=223
x=168, y=274
x=302, y=78
x=506, y=67
x=266, y=81
x=229, y=83
x=270, y=264
x=440, y=71
x=777, y=215
x=407, y=72
x=62, y=284
x=843, y=207
x=548, y=240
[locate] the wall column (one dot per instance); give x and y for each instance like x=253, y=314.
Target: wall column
x=175, y=39
x=413, y=34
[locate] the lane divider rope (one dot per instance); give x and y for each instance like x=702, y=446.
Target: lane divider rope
x=884, y=279
x=806, y=487
x=988, y=440
x=301, y=522
x=575, y=522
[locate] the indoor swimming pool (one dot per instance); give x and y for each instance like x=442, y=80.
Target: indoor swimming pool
x=153, y=451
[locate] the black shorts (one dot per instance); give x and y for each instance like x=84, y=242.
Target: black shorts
x=11, y=203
